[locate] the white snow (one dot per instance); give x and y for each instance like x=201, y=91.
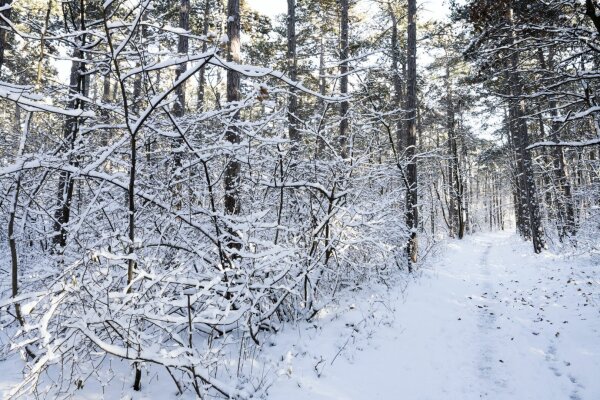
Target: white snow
x=487, y=320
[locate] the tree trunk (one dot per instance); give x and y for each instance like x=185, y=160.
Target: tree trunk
x=322, y=88
x=232, y=135
x=344, y=54
x=455, y=179
x=12, y=243
x=182, y=48
x=519, y=198
x=105, y=100
x=293, y=74
x=564, y=199
x=179, y=106
x=529, y=193
x=3, y=41
x=452, y=161
x=466, y=180
x=202, y=72
x=137, y=385
x=412, y=210
x=590, y=11
x=62, y=215
x=396, y=78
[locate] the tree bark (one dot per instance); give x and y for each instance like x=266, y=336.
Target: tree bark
x=590, y=11
x=3, y=41
x=529, y=193
x=565, y=199
x=412, y=210
x=202, y=72
x=105, y=99
x=450, y=125
x=62, y=215
x=455, y=176
x=12, y=243
x=182, y=48
x=232, y=134
x=293, y=74
x=396, y=77
x=179, y=106
x=322, y=88
x=344, y=54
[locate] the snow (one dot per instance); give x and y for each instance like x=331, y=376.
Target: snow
x=107, y=4
x=486, y=320
x=29, y=102
x=583, y=143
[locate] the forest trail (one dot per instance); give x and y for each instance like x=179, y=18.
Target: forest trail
x=488, y=320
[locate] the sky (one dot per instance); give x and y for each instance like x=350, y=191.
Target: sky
x=429, y=9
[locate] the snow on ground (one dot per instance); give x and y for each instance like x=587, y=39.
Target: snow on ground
x=488, y=319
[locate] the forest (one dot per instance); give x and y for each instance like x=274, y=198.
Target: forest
x=182, y=182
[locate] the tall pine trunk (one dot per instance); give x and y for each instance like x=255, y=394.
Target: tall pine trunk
x=412, y=210
x=322, y=87
x=179, y=106
x=293, y=134
x=62, y=214
x=202, y=72
x=455, y=180
x=396, y=77
x=564, y=199
x=344, y=54
x=528, y=198
x=232, y=134
x=3, y=41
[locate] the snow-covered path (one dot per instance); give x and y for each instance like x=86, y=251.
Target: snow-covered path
x=487, y=320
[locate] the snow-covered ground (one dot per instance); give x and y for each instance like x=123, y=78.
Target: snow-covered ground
x=487, y=319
